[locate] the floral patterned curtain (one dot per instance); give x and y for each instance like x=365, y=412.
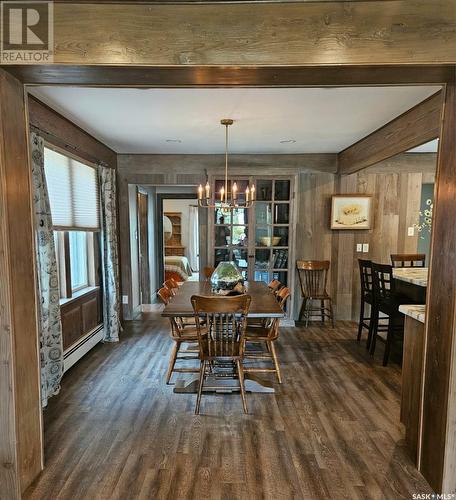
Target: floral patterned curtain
x=111, y=292
x=51, y=344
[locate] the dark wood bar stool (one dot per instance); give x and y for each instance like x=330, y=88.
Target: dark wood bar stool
x=367, y=297
x=387, y=301
x=408, y=259
x=372, y=321
x=313, y=278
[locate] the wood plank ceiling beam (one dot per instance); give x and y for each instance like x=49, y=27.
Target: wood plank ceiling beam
x=296, y=33
x=228, y=76
x=416, y=126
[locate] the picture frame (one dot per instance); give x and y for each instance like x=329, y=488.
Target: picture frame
x=351, y=211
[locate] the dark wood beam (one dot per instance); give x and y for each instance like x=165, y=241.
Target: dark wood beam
x=438, y=450
x=61, y=132
x=229, y=76
x=153, y=164
x=20, y=407
x=416, y=126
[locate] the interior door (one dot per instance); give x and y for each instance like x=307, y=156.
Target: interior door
x=143, y=247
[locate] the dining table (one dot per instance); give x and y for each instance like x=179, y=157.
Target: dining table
x=263, y=305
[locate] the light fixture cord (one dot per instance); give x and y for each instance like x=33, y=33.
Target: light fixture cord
x=226, y=163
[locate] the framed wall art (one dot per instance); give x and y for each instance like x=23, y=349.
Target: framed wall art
x=351, y=211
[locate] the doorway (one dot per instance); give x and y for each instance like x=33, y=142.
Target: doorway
x=178, y=239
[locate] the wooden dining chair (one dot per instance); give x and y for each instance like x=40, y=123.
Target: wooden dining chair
x=181, y=332
x=207, y=272
x=164, y=294
x=408, y=259
x=180, y=336
x=171, y=285
x=266, y=335
x=282, y=296
x=274, y=285
x=221, y=338
x=313, y=278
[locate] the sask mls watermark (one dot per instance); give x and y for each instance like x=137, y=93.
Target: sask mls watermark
x=27, y=32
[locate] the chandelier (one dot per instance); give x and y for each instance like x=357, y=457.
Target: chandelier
x=224, y=201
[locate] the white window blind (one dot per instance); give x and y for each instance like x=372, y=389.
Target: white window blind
x=73, y=192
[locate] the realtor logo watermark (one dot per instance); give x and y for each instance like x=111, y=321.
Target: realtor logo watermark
x=27, y=32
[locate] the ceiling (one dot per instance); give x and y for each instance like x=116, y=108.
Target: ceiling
x=170, y=121
x=429, y=147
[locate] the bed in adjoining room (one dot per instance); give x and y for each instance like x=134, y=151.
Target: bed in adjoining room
x=177, y=267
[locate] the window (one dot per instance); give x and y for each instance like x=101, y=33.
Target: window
x=78, y=260
x=73, y=192
x=73, y=197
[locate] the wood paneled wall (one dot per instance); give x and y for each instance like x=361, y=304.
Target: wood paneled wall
x=20, y=408
x=395, y=184
x=79, y=316
x=396, y=187
x=313, y=235
x=192, y=170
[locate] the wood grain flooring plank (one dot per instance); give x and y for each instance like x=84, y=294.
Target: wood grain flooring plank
x=331, y=430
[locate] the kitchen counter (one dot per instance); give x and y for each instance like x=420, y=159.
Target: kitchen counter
x=414, y=275
x=415, y=311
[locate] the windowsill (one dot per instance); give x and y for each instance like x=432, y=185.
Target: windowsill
x=78, y=294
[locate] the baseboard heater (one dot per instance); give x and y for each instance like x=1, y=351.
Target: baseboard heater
x=82, y=347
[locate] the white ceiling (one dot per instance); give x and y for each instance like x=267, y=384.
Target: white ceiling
x=320, y=120
x=429, y=147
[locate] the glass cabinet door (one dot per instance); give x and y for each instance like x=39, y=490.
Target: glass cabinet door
x=231, y=232
x=256, y=239
x=272, y=224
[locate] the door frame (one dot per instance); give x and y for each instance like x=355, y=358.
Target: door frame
x=283, y=76
x=159, y=243
x=140, y=193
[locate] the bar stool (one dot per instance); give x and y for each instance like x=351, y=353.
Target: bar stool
x=313, y=278
x=408, y=259
x=387, y=301
x=367, y=297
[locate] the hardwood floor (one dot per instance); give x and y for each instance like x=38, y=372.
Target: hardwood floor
x=332, y=430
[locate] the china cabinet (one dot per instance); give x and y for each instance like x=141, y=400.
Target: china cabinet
x=260, y=239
